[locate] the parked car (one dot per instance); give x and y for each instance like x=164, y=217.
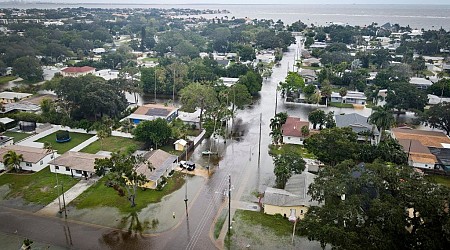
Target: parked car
x=189, y=165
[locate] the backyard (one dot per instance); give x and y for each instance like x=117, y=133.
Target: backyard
x=5, y=79
x=36, y=188
x=290, y=147
x=100, y=195
x=113, y=144
x=61, y=148
x=18, y=136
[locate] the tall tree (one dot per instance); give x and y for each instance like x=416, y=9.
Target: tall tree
x=287, y=163
x=28, y=68
x=123, y=174
x=156, y=132
x=197, y=95
x=317, y=117
x=438, y=116
x=377, y=206
x=406, y=97
x=383, y=118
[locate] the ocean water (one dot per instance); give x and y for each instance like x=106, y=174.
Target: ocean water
x=416, y=16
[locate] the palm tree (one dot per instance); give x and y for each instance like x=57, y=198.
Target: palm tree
x=326, y=91
x=342, y=93
x=383, y=118
x=12, y=160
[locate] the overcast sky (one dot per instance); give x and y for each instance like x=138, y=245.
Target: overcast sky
x=255, y=1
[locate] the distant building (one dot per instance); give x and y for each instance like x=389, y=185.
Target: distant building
x=420, y=83
x=191, y=119
x=150, y=112
x=353, y=97
x=229, y=81
x=162, y=162
x=10, y=97
x=77, y=71
x=6, y=140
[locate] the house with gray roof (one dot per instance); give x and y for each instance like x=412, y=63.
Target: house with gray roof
x=76, y=164
x=293, y=198
x=162, y=164
x=34, y=159
x=360, y=125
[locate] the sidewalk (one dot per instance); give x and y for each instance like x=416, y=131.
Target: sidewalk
x=30, y=141
x=84, y=144
x=69, y=195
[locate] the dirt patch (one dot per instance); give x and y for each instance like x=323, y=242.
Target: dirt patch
x=44, y=189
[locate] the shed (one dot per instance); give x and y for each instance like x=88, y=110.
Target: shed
x=180, y=145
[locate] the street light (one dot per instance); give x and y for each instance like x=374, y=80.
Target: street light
x=229, y=205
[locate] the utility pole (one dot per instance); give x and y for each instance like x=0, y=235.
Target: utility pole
x=155, y=84
x=229, y=204
x=276, y=100
x=259, y=144
x=57, y=188
x=185, y=177
x=64, y=200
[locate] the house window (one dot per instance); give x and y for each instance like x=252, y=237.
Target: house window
x=28, y=164
x=78, y=171
x=67, y=169
x=51, y=157
x=56, y=167
x=42, y=162
x=301, y=211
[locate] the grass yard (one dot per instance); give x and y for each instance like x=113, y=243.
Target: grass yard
x=5, y=79
x=340, y=105
x=150, y=59
x=273, y=150
x=99, y=195
x=18, y=136
x=443, y=180
x=63, y=147
x=170, y=149
x=36, y=188
x=113, y=144
x=219, y=223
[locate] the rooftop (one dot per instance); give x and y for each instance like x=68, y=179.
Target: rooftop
x=83, y=69
x=29, y=154
x=12, y=95
x=433, y=139
x=160, y=160
x=357, y=122
x=293, y=126
x=77, y=160
x=157, y=110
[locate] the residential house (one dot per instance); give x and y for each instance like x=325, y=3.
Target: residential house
x=292, y=130
x=308, y=75
x=76, y=164
x=11, y=97
x=294, y=196
x=162, y=162
x=418, y=156
x=77, y=71
x=7, y=122
x=353, y=97
x=22, y=106
x=442, y=156
x=34, y=159
x=311, y=61
x=359, y=124
x=229, y=81
x=191, y=119
x=434, y=100
x=150, y=112
x=420, y=83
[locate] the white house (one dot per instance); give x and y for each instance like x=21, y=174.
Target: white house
x=34, y=159
x=292, y=130
x=353, y=97
x=229, y=81
x=76, y=164
x=420, y=83
x=10, y=97
x=6, y=140
x=77, y=71
x=359, y=124
x=191, y=119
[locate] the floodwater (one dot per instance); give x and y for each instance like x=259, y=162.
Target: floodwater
x=154, y=218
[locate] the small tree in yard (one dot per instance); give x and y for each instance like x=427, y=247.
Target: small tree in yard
x=156, y=132
x=287, y=163
x=12, y=160
x=123, y=174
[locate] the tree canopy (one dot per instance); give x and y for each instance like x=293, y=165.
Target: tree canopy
x=156, y=132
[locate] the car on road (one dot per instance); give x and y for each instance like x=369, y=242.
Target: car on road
x=189, y=165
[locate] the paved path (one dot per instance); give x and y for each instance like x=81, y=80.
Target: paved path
x=69, y=195
x=84, y=144
x=30, y=141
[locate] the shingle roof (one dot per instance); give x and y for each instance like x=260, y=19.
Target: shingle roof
x=293, y=126
x=77, y=69
x=427, y=138
x=294, y=194
x=356, y=122
x=29, y=154
x=157, y=110
x=442, y=155
x=77, y=160
x=160, y=160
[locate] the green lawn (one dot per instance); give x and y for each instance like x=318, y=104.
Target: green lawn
x=5, y=79
x=340, y=105
x=16, y=135
x=99, y=195
x=219, y=223
x=63, y=147
x=170, y=149
x=276, y=223
x=290, y=147
x=443, y=180
x=38, y=187
x=113, y=144
x=150, y=59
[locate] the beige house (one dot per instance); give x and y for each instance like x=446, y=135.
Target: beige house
x=161, y=161
x=10, y=97
x=76, y=164
x=293, y=197
x=34, y=159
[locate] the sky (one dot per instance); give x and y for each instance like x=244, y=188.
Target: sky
x=446, y=2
